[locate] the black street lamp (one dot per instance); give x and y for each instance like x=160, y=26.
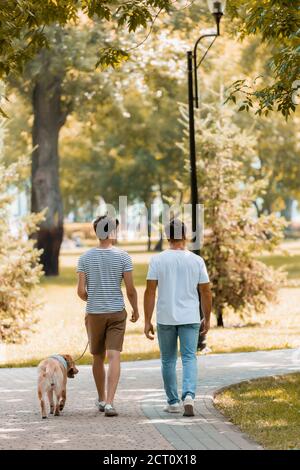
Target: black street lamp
x=217, y=9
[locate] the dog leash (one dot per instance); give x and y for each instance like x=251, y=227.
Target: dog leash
x=77, y=359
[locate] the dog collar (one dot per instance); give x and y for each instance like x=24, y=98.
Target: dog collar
x=60, y=359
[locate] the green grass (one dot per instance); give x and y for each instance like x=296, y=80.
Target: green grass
x=68, y=277
x=266, y=409
x=290, y=264
x=62, y=315
x=87, y=359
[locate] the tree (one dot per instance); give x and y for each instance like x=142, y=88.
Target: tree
x=278, y=161
x=132, y=133
x=22, y=25
x=20, y=271
x=235, y=237
x=23, y=34
x=56, y=81
x=150, y=151
x=276, y=22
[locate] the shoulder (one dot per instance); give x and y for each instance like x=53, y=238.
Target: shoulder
x=195, y=258
x=87, y=254
x=120, y=252
x=156, y=258
x=123, y=257
x=160, y=258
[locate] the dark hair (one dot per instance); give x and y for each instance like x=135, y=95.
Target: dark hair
x=175, y=230
x=104, y=225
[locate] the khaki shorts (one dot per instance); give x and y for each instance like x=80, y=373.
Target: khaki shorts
x=105, y=331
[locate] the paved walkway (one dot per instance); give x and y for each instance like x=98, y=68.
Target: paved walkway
x=142, y=424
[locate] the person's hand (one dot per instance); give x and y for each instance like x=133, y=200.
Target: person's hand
x=205, y=327
x=134, y=316
x=149, y=331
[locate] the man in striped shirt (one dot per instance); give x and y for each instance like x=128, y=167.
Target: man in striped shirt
x=100, y=274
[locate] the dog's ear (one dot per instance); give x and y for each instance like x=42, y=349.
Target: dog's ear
x=71, y=367
x=67, y=358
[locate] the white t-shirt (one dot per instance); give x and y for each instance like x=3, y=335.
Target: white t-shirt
x=178, y=273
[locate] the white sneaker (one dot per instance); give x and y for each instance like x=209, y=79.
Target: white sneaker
x=109, y=410
x=175, y=408
x=188, y=405
x=100, y=405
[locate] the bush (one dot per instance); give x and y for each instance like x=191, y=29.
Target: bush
x=20, y=270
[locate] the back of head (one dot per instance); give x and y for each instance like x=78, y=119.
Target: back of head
x=175, y=230
x=105, y=227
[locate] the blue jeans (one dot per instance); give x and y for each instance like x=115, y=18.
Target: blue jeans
x=168, y=338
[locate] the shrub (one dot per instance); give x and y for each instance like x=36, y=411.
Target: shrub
x=20, y=271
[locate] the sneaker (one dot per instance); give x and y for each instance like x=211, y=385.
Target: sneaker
x=175, y=408
x=100, y=405
x=188, y=405
x=109, y=410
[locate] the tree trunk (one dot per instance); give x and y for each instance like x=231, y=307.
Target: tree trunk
x=159, y=244
x=220, y=321
x=288, y=210
x=149, y=229
x=45, y=192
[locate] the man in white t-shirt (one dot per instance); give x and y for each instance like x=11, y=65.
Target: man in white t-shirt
x=179, y=275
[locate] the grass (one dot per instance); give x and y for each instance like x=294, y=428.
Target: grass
x=290, y=264
x=87, y=359
x=266, y=409
x=68, y=276
x=61, y=322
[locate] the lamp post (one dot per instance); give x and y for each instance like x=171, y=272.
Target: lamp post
x=193, y=63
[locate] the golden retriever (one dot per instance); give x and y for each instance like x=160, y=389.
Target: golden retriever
x=52, y=380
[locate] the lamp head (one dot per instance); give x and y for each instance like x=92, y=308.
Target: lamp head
x=217, y=8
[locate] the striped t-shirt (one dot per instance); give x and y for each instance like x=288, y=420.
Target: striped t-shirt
x=104, y=268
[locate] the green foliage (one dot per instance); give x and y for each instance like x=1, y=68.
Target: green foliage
x=22, y=23
x=130, y=132
x=235, y=237
x=22, y=35
x=277, y=23
x=111, y=57
x=20, y=271
x=21, y=30
x=278, y=162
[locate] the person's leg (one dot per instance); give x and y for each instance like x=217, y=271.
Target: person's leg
x=96, y=326
x=167, y=338
x=99, y=375
x=115, y=332
x=114, y=368
x=188, y=336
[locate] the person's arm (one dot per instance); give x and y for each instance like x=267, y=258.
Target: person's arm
x=206, y=304
x=131, y=295
x=81, y=286
x=149, y=302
